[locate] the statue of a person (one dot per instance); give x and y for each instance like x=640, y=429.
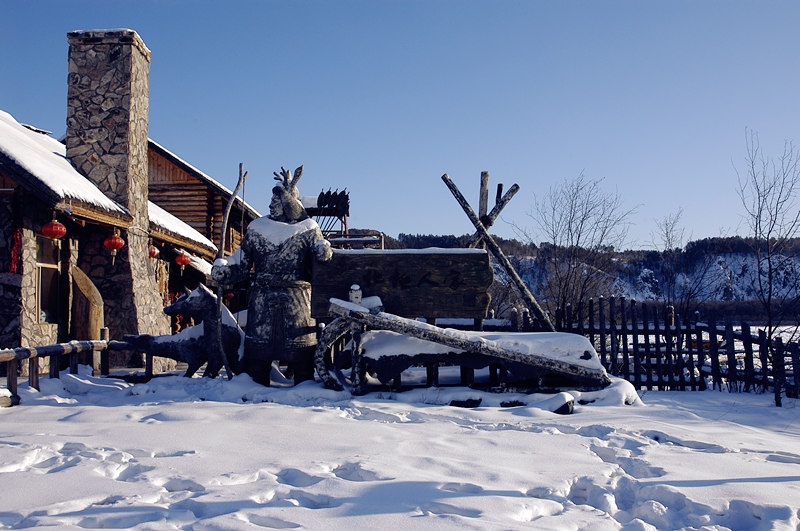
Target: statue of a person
x=279, y=248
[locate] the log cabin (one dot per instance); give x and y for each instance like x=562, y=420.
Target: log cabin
x=103, y=228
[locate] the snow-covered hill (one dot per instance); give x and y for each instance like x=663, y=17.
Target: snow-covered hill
x=720, y=277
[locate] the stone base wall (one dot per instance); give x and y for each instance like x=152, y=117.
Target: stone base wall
x=128, y=286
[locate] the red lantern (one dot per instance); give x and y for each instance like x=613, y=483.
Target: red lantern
x=114, y=243
x=182, y=259
x=153, y=251
x=54, y=230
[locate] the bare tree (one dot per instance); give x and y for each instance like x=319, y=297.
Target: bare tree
x=685, y=283
x=769, y=188
x=581, y=225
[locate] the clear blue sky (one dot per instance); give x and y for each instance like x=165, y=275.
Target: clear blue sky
x=382, y=97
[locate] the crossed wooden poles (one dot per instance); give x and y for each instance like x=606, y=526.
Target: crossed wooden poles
x=482, y=236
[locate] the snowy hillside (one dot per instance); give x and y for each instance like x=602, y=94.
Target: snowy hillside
x=721, y=277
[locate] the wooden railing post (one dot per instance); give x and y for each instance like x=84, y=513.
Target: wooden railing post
x=148, y=366
x=105, y=365
x=33, y=372
x=11, y=382
x=55, y=365
x=73, y=362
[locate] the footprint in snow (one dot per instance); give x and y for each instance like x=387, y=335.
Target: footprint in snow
x=270, y=522
x=466, y=488
x=297, y=478
x=178, y=484
x=354, y=472
x=444, y=509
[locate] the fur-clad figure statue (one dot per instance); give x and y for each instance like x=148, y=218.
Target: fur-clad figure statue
x=279, y=248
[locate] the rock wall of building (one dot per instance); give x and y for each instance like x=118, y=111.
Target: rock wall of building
x=107, y=122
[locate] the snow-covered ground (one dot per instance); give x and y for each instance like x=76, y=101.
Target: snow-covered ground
x=180, y=453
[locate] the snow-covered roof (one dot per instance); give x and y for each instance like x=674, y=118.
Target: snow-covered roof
x=43, y=158
x=41, y=161
x=191, y=169
x=163, y=221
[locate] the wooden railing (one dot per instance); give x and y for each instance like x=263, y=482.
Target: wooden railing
x=649, y=348
x=98, y=348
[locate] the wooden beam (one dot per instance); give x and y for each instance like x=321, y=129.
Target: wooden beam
x=483, y=201
x=526, y=294
x=492, y=216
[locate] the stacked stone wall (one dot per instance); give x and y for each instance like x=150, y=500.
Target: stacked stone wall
x=107, y=121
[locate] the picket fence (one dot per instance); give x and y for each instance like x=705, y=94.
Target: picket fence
x=654, y=349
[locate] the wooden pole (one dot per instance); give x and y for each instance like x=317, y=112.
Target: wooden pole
x=527, y=296
x=483, y=198
x=220, y=350
x=492, y=216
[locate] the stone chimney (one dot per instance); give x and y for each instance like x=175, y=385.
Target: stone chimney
x=107, y=121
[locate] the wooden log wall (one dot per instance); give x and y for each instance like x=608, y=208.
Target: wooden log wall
x=185, y=196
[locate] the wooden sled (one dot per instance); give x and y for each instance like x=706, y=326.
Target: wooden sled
x=527, y=356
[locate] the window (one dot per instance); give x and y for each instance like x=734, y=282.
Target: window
x=48, y=272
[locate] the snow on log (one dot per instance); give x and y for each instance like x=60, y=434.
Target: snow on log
x=567, y=355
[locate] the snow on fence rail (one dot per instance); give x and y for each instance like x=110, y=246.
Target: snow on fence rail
x=653, y=351
x=98, y=348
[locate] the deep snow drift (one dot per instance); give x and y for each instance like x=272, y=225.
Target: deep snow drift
x=180, y=453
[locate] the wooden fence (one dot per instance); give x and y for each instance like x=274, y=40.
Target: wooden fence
x=647, y=345
x=99, y=350
x=654, y=349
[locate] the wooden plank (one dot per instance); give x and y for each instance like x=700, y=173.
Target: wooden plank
x=601, y=311
x=763, y=354
x=614, y=332
x=749, y=365
x=669, y=349
x=626, y=360
x=795, y=353
x=679, y=355
x=648, y=351
x=411, y=283
x=713, y=352
x=731, y=352
x=591, y=324
x=637, y=361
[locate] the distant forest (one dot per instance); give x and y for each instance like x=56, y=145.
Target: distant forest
x=710, y=273
x=694, y=251
x=421, y=241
